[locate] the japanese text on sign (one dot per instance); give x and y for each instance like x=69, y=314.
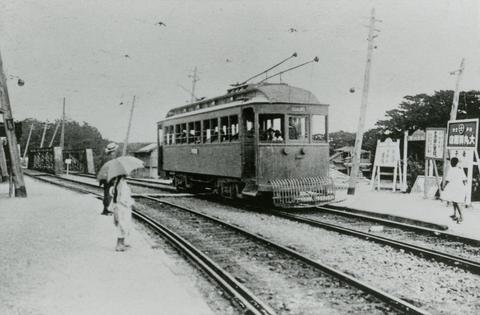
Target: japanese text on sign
x=387, y=153
x=462, y=133
x=434, y=142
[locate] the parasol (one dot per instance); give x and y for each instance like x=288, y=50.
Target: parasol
x=123, y=165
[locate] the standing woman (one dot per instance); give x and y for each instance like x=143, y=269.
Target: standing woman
x=454, y=189
x=122, y=203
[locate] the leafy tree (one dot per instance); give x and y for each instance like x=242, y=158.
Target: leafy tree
x=422, y=110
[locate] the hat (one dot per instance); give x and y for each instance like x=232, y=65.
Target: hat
x=111, y=147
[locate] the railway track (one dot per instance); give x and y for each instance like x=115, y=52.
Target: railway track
x=140, y=187
x=234, y=248
x=272, y=261
x=423, y=242
x=316, y=220
x=138, y=182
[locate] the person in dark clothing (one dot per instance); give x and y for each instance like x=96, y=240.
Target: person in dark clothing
x=110, y=153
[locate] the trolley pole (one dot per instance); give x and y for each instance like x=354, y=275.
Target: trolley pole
x=125, y=144
x=20, y=190
x=363, y=109
x=62, y=133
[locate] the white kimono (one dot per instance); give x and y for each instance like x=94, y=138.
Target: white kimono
x=455, y=190
x=122, y=209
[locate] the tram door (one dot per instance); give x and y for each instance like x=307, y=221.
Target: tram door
x=160, y=142
x=248, y=143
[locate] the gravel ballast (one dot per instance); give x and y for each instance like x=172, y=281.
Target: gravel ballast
x=433, y=286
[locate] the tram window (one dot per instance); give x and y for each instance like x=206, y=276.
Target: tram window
x=194, y=132
x=248, y=117
x=178, y=134
x=181, y=133
x=233, y=127
x=184, y=133
x=210, y=130
x=166, y=136
x=319, y=128
x=297, y=127
x=171, y=135
x=191, y=132
x=214, y=129
x=224, y=129
x=206, y=131
x=271, y=127
x=198, y=130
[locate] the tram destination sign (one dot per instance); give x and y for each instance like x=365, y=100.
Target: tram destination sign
x=434, y=143
x=462, y=134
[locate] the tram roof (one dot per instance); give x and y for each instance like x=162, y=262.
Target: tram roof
x=245, y=94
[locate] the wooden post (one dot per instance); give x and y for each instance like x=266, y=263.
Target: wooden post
x=62, y=134
x=3, y=162
x=43, y=135
x=405, y=161
x=363, y=110
x=16, y=171
x=54, y=134
x=125, y=144
x=28, y=142
x=453, y=111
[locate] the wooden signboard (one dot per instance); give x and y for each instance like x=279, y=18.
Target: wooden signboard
x=387, y=154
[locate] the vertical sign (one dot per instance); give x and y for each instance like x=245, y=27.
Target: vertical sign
x=434, y=143
x=462, y=140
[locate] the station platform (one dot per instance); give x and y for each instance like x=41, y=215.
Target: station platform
x=412, y=206
x=58, y=257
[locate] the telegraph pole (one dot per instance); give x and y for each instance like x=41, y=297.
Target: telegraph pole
x=20, y=190
x=62, y=133
x=195, y=78
x=453, y=111
x=363, y=108
x=459, y=73
x=43, y=134
x=125, y=144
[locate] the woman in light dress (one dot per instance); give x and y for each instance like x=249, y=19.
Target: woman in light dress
x=121, y=206
x=454, y=189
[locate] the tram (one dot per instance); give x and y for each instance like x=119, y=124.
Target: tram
x=265, y=140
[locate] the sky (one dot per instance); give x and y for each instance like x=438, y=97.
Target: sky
x=98, y=54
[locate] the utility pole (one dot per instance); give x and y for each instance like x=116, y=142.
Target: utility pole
x=62, y=134
x=20, y=190
x=28, y=142
x=363, y=108
x=456, y=94
x=453, y=111
x=43, y=134
x=195, y=78
x=125, y=144
x=54, y=134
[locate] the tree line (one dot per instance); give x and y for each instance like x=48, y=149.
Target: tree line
x=414, y=112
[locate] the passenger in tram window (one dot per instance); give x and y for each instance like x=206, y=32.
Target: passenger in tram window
x=277, y=137
x=270, y=134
